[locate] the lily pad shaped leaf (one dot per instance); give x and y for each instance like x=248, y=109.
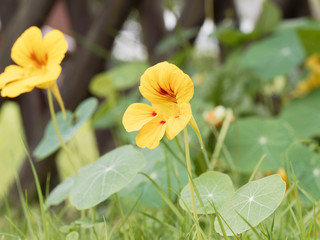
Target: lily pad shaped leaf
x=213, y=187
x=108, y=175
x=249, y=139
x=61, y=192
x=303, y=114
x=306, y=166
x=68, y=128
x=255, y=201
x=281, y=53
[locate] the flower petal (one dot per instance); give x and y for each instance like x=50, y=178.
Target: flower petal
x=48, y=77
x=27, y=50
x=15, y=88
x=151, y=133
x=56, y=93
x=137, y=115
x=177, y=123
x=22, y=85
x=10, y=74
x=55, y=46
x=165, y=82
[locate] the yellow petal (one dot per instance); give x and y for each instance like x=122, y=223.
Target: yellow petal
x=165, y=82
x=194, y=125
x=56, y=93
x=48, y=77
x=15, y=88
x=137, y=115
x=151, y=133
x=10, y=74
x=55, y=46
x=27, y=50
x=179, y=122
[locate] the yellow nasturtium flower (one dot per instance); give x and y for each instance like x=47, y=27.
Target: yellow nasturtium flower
x=169, y=90
x=313, y=79
x=38, y=63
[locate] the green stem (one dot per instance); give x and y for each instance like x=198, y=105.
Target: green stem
x=221, y=137
x=186, y=142
x=56, y=127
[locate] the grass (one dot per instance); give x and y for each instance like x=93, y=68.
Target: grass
x=120, y=219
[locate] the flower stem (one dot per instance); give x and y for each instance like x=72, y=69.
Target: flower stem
x=186, y=142
x=56, y=127
x=221, y=137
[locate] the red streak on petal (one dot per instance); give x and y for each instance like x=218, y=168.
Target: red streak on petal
x=154, y=114
x=34, y=58
x=162, y=122
x=176, y=117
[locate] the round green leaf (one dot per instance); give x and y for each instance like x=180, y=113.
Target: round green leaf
x=255, y=201
x=109, y=174
x=303, y=114
x=274, y=56
x=249, y=139
x=68, y=128
x=213, y=187
x=61, y=192
x=158, y=169
x=306, y=166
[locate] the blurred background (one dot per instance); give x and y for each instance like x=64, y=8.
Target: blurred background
x=111, y=43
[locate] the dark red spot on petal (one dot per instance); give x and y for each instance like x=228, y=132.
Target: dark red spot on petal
x=154, y=114
x=162, y=122
x=176, y=117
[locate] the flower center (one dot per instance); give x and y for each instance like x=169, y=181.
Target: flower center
x=39, y=62
x=168, y=95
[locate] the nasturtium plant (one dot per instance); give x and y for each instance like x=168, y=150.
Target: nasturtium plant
x=303, y=115
x=68, y=128
x=306, y=166
x=214, y=188
x=249, y=139
x=281, y=52
x=97, y=181
x=170, y=177
x=254, y=202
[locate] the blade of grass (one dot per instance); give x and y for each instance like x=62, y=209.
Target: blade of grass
x=298, y=205
x=221, y=137
x=165, y=198
x=39, y=192
x=250, y=225
x=257, y=167
x=169, y=226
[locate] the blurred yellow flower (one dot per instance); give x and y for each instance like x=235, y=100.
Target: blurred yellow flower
x=169, y=90
x=313, y=79
x=38, y=63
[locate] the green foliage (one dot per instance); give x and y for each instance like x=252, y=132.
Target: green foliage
x=132, y=193
x=309, y=39
x=213, y=187
x=274, y=56
x=302, y=114
x=268, y=20
x=254, y=202
x=118, y=78
x=250, y=138
x=306, y=166
x=98, y=180
x=68, y=128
